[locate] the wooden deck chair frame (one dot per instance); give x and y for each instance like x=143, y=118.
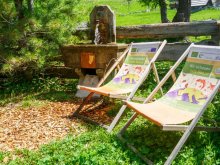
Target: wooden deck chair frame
x=132, y=93
x=186, y=128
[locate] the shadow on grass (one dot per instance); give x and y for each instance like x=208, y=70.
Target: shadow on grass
x=97, y=146
x=156, y=145
x=56, y=96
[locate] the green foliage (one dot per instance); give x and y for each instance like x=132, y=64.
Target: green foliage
x=28, y=42
x=150, y=3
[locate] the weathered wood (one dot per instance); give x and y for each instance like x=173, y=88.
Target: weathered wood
x=102, y=22
x=60, y=71
x=165, y=30
x=169, y=30
x=216, y=38
x=171, y=52
x=184, y=127
x=103, y=54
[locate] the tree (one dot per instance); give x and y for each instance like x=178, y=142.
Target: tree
x=31, y=32
x=31, y=6
x=163, y=11
x=19, y=8
x=182, y=14
x=183, y=11
x=149, y=3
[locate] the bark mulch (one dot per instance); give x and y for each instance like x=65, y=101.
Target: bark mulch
x=31, y=127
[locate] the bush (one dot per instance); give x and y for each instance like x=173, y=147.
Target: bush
x=30, y=40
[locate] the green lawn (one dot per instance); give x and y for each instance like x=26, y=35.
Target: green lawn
x=154, y=17
x=135, y=14
x=95, y=145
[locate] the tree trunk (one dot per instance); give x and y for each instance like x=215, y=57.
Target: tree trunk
x=19, y=8
x=30, y=5
x=163, y=11
x=188, y=11
x=183, y=11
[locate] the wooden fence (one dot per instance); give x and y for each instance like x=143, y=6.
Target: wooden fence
x=166, y=30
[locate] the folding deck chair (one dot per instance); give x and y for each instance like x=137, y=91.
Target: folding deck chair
x=186, y=100
x=135, y=69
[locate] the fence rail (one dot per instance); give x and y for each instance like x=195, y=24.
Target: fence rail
x=172, y=51
x=166, y=30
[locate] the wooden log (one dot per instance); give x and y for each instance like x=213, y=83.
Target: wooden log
x=164, y=30
x=169, y=30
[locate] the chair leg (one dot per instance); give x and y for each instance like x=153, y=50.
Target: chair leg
x=184, y=137
x=116, y=119
x=128, y=123
x=178, y=147
x=82, y=105
x=119, y=135
x=190, y=128
x=157, y=77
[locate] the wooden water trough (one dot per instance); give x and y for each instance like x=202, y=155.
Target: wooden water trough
x=172, y=51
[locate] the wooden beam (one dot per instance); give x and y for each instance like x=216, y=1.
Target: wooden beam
x=169, y=30
x=184, y=127
x=164, y=30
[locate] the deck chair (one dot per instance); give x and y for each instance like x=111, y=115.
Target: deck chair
x=186, y=100
x=135, y=69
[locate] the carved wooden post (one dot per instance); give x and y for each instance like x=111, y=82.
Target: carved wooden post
x=102, y=19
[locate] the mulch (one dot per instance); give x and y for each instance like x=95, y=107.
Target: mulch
x=31, y=127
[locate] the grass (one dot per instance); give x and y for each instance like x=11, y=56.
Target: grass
x=206, y=15
x=154, y=17
x=135, y=14
x=96, y=146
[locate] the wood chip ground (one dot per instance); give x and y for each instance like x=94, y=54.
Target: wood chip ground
x=31, y=127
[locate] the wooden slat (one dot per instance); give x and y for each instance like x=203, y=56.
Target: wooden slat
x=184, y=127
x=122, y=97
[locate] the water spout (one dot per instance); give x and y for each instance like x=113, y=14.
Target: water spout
x=97, y=34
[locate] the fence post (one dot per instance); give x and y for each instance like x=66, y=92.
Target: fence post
x=216, y=37
x=218, y=23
